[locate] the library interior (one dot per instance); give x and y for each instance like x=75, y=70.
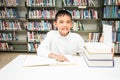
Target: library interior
x=25, y=26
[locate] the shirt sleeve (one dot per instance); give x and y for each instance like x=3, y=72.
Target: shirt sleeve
x=44, y=47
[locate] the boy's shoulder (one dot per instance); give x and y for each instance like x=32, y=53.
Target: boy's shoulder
x=52, y=32
x=74, y=34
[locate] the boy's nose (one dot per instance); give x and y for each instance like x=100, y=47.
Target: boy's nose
x=65, y=24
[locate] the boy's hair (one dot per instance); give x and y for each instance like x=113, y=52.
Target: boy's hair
x=62, y=13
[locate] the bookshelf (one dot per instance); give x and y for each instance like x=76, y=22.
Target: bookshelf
x=40, y=17
x=12, y=32
x=86, y=17
x=111, y=16
x=36, y=20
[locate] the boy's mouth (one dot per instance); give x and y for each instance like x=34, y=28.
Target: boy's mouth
x=64, y=28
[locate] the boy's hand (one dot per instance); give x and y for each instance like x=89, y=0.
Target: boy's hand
x=58, y=57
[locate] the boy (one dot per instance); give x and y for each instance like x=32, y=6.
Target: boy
x=61, y=42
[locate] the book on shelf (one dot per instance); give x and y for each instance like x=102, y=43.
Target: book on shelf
x=99, y=63
x=32, y=46
x=35, y=60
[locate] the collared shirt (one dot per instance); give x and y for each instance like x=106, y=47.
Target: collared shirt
x=55, y=43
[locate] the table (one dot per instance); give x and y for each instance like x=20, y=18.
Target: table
x=16, y=71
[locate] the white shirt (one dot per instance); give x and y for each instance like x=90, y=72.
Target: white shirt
x=55, y=43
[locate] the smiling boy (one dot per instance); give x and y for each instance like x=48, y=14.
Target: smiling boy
x=61, y=42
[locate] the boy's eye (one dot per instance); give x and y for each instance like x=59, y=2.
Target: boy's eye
x=61, y=22
x=68, y=22
x=64, y=22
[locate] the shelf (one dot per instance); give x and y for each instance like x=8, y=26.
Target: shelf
x=111, y=19
x=87, y=31
x=41, y=7
x=6, y=18
x=12, y=6
x=86, y=19
x=32, y=52
x=81, y=7
x=40, y=18
x=10, y=30
x=14, y=41
x=13, y=50
x=39, y=30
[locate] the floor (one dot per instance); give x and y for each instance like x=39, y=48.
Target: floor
x=5, y=58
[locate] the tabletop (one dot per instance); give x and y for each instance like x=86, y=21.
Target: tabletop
x=16, y=71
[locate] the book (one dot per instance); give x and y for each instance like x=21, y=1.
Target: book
x=107, y=33
x=35, y=60
x=97, y=47
x=99, y=63
x=98, y=56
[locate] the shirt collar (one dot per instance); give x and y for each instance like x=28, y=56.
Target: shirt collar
x=66, y=37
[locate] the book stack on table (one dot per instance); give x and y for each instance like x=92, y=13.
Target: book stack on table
x=98, y=55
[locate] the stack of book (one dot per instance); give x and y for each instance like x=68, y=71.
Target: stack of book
x=98, y=55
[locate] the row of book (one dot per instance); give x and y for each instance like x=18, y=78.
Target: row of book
x=76, y=14
x=9, y=2
x=111, y=12
x=41, y=2
x=78, y=3
x=32, y=47
x=115, y=25
x=35, y=36
x=84, y=14
x=8, y=36
x=34, y=13
x=94, y=37
x=46, y=26
x=78, y=26
x=111, y=2
x=115, y=37
x=6, y=46
x=10, y=25
x=42, y=25
x=117, y=47
x=65, y=2
x=9, y=13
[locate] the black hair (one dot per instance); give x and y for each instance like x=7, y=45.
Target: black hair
x=62, y=12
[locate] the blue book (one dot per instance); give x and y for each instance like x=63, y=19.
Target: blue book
x=118, y=12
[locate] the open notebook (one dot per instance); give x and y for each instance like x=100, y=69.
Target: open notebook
x=35, y=60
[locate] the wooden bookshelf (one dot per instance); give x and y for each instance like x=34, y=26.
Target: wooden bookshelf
x=111, y=16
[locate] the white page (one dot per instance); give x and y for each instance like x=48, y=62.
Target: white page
x=34, y=60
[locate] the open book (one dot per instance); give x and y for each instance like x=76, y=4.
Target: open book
x=35, y=60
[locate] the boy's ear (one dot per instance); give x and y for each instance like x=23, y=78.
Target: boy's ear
x=54, y=23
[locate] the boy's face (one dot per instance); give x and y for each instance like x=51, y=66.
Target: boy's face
x=64, y=24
